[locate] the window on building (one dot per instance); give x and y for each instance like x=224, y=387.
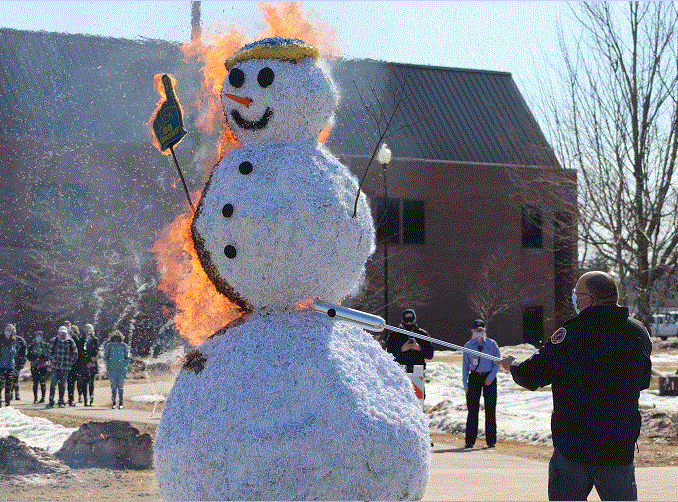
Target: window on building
x=531, y=227
x=413, y=222
x=533, y=325
x=387, y=220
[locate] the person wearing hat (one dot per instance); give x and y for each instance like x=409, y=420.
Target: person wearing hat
x=479, y=376
x=63, y=353
x=407, y=350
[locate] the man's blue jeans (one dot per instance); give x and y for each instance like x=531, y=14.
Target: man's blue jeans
x=572, y=481
x=59, y=376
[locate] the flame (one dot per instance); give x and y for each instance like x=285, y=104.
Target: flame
x=201, y=309
x=304, y=304
x=287, y=19
x=160, y=88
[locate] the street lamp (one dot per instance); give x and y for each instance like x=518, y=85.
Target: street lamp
x=384, y=157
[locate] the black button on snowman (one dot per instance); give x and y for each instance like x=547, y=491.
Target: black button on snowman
x=289, y=404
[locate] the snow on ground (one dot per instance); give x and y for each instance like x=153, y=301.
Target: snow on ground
x=521, y=415
x=34, y=431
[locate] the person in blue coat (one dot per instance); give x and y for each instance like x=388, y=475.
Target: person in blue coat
x=116, y=357
x=7, y=362
x=479, y=375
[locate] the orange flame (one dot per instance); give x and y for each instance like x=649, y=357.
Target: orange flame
x=202, y=310
x=157, y=83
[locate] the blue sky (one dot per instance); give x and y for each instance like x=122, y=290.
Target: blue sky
x=511, y=36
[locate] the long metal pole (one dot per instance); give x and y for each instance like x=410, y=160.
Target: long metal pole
x=375, y=323
x=386, y=238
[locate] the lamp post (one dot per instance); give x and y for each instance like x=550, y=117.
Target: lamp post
x=384, y=157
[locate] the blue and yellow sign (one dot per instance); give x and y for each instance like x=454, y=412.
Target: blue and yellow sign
x=168, y=125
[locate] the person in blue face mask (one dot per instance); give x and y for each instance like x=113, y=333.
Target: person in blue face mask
x=596, y=364
x=479, y=376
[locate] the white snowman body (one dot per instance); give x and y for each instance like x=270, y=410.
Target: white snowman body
x=293, y=406
x=290, y=404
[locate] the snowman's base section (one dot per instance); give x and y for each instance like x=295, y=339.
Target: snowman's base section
x=290, y=407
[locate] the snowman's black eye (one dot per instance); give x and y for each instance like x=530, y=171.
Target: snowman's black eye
x=265, y=77
x=236, y=77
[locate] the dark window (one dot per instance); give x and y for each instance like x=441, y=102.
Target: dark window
x=531, y=227
x=413, y=222
x=388, y=222
x=533, y=325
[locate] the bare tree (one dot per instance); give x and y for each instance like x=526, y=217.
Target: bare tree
x=499, y=286
x=615, y=120
x=97, y=271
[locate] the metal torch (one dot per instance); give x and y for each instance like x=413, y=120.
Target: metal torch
x=375, y=323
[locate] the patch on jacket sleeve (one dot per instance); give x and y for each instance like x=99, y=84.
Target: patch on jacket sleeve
x=558, y=336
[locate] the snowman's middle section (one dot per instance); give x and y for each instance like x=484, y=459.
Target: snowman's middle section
x=275, y=224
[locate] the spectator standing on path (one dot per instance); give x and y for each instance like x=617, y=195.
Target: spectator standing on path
x=75, y=375
x=479, y=376
x=596, y=364
x=407, y=350
x=7, y=363
x=62, y=353
x=19, y=362
x=38, y=355
x=116, y=357
x=91, y=349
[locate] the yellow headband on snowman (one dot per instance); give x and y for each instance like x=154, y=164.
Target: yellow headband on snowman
x=287, y=49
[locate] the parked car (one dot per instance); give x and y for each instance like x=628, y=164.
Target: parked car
x=664, y=325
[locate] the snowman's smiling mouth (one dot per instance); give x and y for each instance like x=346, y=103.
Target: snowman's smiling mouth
x=249, y=124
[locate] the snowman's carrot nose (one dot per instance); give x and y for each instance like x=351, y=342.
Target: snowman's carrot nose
x=243, y=101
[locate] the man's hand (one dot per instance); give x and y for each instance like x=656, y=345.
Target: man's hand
x=506, y=362
x=410, y=344
x=488, y=382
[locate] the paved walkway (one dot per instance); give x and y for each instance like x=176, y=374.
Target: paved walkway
x=456, y=474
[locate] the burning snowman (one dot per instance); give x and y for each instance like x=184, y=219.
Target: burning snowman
x=288, y=404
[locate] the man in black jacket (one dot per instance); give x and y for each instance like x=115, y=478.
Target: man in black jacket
x=408, y=350
x=596, y=364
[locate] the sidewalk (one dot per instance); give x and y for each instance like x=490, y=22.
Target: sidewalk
x=456, y=474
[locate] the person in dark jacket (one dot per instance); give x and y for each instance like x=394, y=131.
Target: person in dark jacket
x=75, y=376
x=38, y=355
x=91, y=351
x=596, y=364
x=407, y=350
x=62, y=353
x=19, y=362
x=7, y=363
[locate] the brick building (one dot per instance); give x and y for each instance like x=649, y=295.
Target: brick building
x=473, y=186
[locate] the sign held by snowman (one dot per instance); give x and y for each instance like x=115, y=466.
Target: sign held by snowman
x=287, y=404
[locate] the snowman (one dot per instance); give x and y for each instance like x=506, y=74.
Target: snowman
x=288, y=404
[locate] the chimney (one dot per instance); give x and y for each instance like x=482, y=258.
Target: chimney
x=195, y=20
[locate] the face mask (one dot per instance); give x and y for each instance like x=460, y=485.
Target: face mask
x=479, y=335
x=38, y=339
x=574, y=302
x=8, y=334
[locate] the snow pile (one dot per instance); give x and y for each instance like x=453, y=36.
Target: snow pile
x=34, y=431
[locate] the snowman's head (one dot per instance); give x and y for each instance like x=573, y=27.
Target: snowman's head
x=277, y=90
